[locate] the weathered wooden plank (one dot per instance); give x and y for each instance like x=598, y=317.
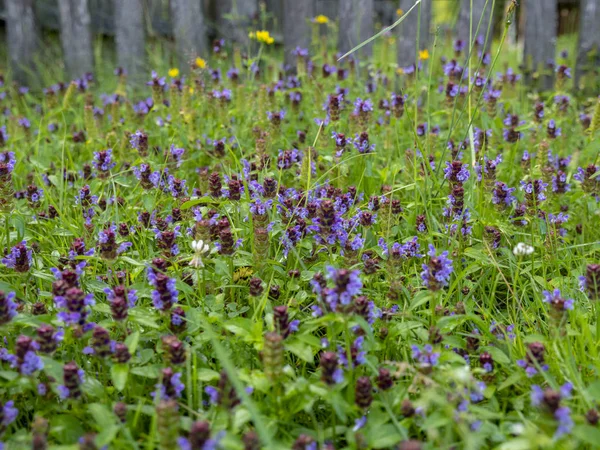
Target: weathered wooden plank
x=235, y=18
x=189, y=28
x=540, y=40
x=588, y=46
x=22, y=36
x=407, y=31
x=129, y=36
x=355, y=25
x=481, y=18
x=76, y=36
x=296, y=26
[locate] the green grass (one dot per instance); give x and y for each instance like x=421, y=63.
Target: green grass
x=227, y=336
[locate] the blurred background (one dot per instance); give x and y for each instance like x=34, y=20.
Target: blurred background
x=61, y=39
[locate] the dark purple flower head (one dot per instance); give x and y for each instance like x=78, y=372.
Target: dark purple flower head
x=556, y=300
x=437, y=271
x=502, y=195
x=425, y=356
x=157, y=82
x=534, y=191
x=164, y=295
x=590, y=282
x=300, y=52
x=19, y=258
x=456, y=172
x=103, y=161
x=362, y=106
x=551, y=400
x=8, y=307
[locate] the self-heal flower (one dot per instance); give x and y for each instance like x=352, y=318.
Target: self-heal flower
x=164, y=295
x=437, y=271
x=590, y=282
x=425, y=356
x=19, y=258
x=8, y=307
x=456, y=172
x=556, y=300
x=8, y=413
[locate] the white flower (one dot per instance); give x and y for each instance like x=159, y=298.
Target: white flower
x=200, y=248
x=522, y=249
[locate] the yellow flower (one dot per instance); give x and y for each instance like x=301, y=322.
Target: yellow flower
x=262, y=36
x=399, y=12
x=400, y=71
x=424, y=54
x=200, y=63
x=174, y=72
x=321, y=19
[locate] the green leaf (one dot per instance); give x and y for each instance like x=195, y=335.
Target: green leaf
x=132, y=341
x=65, y=428
x=119, y=374
x=144, y=318
x=198, y=201
x=498, y=355
x=107, y=435
x=514, y=378
x=593, y=390
x=102, y=415
x=301, y=350
x=385, y=436
x=588, y=434
x=207, y=375
x=146, y=371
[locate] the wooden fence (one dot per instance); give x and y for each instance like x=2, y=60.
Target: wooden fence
x=191, y=23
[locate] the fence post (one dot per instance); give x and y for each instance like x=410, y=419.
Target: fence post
x=589, y=38
x=129, y=35
x=540, y=40
x=189, y=29
x=407, y=31
x=296, y=26
x=22, y=36
x=481, y=11
x=76, y=36
x=355, y=25
x=243, y=13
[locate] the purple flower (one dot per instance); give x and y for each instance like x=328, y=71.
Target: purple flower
x=362, y=106
x=8, y=307
x=176, y=154
x=164, y=294
x=556, y=300
x=9, y=413
x=502, y=195
x=437, y=271
x=426, y=355
x=456, y=172
x=103, y=161
x=19, y=258
x=347, y=285
x=565, y=422
x=31, y=363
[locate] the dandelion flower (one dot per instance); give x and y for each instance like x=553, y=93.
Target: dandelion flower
x=200, y=63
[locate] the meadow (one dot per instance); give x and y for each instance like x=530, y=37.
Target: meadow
x=344, y=254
